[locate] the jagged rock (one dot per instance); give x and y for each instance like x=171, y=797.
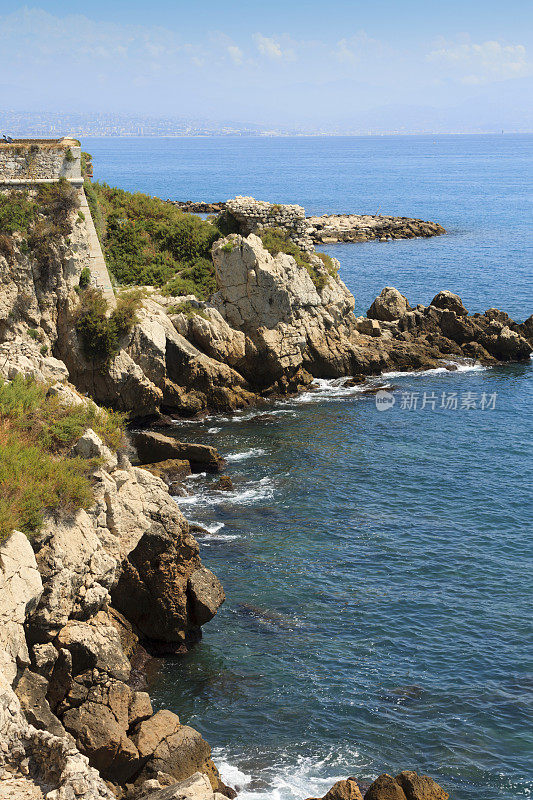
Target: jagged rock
x=170, y=470
x=154, y=447
x=20, y=590
x=197, y=787
x=140, y=708
x=370, y=327
x=91, y=446
x=451, y=302
x=344, y=790
x=390, y=305
x=224, y=484
x=94, y=645
x=206, y=595
x=44, y=657
x=175, y=749
x=31, y=691
x=152, y=589
x=38, y=758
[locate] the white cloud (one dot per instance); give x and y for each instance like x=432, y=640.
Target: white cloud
x=351, y=50
x=474, y=63
x=236, y=54
x=268, y=47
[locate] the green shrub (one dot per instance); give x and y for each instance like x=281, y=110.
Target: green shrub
x=69, y=156
x=149, y=242
x=36, y=433
x=228, y=247
x=329, y=264
x=188, y=309
x=85, y=278
x=99, y=332
x=17, y=212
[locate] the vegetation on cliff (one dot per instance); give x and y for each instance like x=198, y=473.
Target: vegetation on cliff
x=276, y=240
x=37, y=431
x=99, y=331
x=148, y=242
x=40, y=216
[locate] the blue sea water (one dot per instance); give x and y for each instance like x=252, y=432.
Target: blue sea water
x=377, y=564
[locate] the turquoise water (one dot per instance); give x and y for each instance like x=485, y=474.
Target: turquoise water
x=377, y=563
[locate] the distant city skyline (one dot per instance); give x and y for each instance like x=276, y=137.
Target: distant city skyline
x=174, y=68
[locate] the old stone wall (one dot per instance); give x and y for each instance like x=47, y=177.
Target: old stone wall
x=251, y=215
x=34, y=161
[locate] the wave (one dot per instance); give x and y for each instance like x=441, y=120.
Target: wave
x=457, y=367
x=212, y=528
x=329, y=389
x=254, y=451
x=290, y=779
x=256, y=490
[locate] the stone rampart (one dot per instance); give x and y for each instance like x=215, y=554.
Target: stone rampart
x=28, y=161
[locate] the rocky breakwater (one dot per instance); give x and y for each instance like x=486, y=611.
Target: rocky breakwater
x=78, y=607
x=332, y=228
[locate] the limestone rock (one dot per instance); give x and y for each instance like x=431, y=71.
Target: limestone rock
x=390, y=305
x=344, y=790
x=206, y=595
x=420, y=787
x=451, y=302
x=94, y=645
x=20, y=590
x=155, y=447
x=31, y=691
x=385, y=787
x=197, y=787
x=91, y=446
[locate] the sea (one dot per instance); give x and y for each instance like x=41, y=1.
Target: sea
x=377, y=561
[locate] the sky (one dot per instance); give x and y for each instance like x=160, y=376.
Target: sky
x=332, y=65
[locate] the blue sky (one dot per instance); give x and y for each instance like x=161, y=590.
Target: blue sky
x=337, y=65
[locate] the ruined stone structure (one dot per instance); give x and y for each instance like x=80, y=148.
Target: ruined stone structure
x=252, y=215
x=28, y=161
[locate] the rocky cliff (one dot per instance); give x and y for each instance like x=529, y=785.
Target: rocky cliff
x=101, y=587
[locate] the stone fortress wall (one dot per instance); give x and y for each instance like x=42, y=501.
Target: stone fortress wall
x=27, y=161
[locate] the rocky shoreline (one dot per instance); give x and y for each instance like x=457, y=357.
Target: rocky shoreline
x=86, y=601
x=335, y=228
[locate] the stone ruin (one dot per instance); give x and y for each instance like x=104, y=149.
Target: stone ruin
x=251, y=215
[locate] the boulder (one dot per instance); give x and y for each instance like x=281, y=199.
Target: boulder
x=172, y=470
x=385, y=787
x=389, y=305
x=91, y=446
x=155, y=447
x=175, y=749
x=206, y=595
x=344, y=790
x=405, y=786
x=224, y=484
x=450, y=301
x=95, y=645
x=420, y=787
x=152, y=590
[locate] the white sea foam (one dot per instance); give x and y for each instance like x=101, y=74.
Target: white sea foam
x=254, y=451
x=214, y=430
x=252, y=493
x=212, y=528
x=292, y=779
x=328, y=389
x=437, y=370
